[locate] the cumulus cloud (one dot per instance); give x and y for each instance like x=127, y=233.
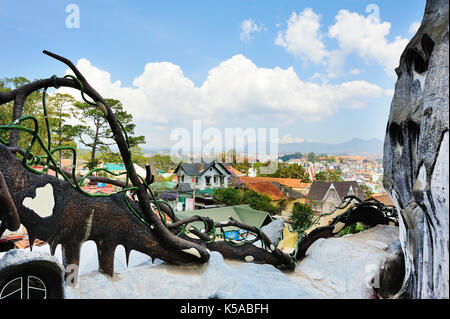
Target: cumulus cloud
x=302, y=37
x=413, y=27
x=365, y=35
x=234, y=90
x=247, y=28
x=368, y=39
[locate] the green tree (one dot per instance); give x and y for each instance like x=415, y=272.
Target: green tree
x=311, y=157
x=95, y=132
x=258, y=201
x=291, y=171
x=281, y=205
x=301, y=217
x=227, y=196
x=329, y=176
x=58, y=110
x=32, y=106
x=161, y=162
x=367, y=191
x=233, y=196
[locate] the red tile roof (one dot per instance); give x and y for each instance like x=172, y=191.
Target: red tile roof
x=266, y=188
x=289, y=182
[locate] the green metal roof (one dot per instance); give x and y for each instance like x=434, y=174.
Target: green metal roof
x=115, y=167
x=242, y=213
x=208, y=191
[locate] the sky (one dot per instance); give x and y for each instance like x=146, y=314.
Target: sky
x=320, y=71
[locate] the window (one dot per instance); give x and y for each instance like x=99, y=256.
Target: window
x=208, y=180
x=216, y=179
x=182, y=178
x=222, y=180
x=196, y=179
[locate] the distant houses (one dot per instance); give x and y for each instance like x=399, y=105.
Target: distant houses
x=202, y=175
x=325, y=196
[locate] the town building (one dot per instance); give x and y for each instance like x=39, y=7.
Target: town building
x=324, y=197
x=202, y=176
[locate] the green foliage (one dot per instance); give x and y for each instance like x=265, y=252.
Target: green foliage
x=366, y=190
x=162, y=162
x=352, y=229
x=232, y=197
x=311, y=157
x=329, y=176
x=291, y=171
x=301, y=217
x=228, y=196
x=282, y=204
x=62, y=134
x=95, y=132
x=258, y=201
x=241, y=167
x=32, y=106
x=288, y=157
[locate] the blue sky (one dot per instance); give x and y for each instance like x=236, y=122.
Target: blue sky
x=316, y=70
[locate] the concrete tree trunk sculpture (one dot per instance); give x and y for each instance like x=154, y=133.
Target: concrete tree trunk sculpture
x=416, y=155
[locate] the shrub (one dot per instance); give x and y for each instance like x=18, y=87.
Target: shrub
x=227, y=196
x=301, y=217
x=351, y=229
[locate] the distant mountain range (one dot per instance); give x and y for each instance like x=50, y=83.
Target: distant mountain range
x=356, y=146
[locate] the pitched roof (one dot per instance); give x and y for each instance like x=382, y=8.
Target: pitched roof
x=234, y=171
x=288, y=192
x=319, y=189
x=268, y=189
x=242, y=213
x=383, y=198
x=197, y=169
x=289, y=182
x=185, y=187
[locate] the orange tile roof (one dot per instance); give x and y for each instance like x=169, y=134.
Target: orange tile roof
x=350, y=157
x=289, y=182
x=383, y=198
x=268, y=189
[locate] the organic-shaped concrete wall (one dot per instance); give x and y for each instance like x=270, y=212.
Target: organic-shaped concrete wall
x=416, y=151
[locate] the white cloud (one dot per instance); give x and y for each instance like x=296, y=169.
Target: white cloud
x=389, y=92
x=413, y=27
x=367, y=37
x=302, y=37
x=354, y=71
x=247, y=27
x=236, y=89
x=289, y=139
